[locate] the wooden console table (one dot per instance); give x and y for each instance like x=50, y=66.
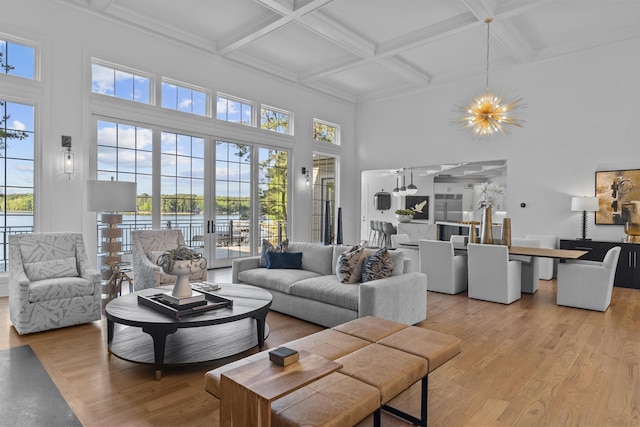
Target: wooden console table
x=247, y=391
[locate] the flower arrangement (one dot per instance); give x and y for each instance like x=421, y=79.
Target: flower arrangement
x=489, y=193
x=182, y=253
x=408, y=212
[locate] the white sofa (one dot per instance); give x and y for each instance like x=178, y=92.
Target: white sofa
x=314, y=293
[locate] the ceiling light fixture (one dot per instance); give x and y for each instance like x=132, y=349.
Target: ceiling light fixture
x=403, y=189
x=412, y=189
x=396, y=190
x=489, y=113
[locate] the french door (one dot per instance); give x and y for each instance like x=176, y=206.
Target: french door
x=249, y=202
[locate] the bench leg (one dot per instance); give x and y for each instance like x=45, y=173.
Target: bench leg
x=422, y=421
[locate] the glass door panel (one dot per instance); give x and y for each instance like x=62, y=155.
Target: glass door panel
x=273, y=195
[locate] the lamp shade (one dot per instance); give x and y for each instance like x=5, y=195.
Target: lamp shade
x=111, y=196
x=587, y=204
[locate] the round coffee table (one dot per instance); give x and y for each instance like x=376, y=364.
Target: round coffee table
x=199, y=338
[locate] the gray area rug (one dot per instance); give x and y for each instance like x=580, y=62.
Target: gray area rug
x=28, y=396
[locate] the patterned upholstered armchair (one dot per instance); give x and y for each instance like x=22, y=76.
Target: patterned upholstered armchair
x=146, y=247
x=51, y=282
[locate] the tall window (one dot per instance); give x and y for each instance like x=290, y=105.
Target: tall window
x=234, y=110
x=326, y=132
x=125, y=153
x=181, y=97
x=17, y=131
x=17, y=59
x=324, y=177
x=232, y=199
x=120, y=82
x=276, y=120
x=182, y=185
x=273, y=193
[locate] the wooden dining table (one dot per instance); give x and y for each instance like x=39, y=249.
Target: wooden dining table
x=526, y=251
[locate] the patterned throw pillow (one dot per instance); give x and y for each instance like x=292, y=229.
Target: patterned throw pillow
x=349, y=265
x=51, y=269
x=268, y=247
x=377, y=266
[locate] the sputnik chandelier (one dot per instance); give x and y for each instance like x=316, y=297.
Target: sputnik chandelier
x=489, y=113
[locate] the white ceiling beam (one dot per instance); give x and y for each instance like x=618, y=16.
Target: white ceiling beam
x=100, y=5
x=338, y=34
x=227, y=46
x=405, y=71
x=283, y=7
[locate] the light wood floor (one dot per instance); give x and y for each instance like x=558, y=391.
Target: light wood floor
x=529, y=363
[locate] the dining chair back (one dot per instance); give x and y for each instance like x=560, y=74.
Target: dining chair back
x=492, y=276
x=446, y=272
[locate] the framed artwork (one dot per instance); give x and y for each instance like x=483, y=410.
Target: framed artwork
x=420, y=205
x=618, y=195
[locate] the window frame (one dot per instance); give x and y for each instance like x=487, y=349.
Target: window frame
x=281, y=111
x=227, y=97
x=37, y=56
x=125, y=69
x=191, y=87
x=336, y=141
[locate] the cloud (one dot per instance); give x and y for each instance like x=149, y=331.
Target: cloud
x=18, y=125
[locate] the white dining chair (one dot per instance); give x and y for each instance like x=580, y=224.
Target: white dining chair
x=492, y=276
x=547, y=266
x=530, y=265
x=446, y=272
x=588, y=284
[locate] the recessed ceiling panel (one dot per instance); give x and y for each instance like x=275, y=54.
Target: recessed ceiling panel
x=383, y=20
x=364, y=79
x=295, y=48
x=464, y=51
x=565, y=22
x=209, y=19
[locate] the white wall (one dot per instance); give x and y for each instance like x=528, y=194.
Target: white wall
x=69, y=37
x=581, y=113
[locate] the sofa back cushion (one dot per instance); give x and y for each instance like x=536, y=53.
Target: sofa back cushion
x=316, y=258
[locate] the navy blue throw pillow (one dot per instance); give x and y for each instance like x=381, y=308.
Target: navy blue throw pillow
x=290, y=260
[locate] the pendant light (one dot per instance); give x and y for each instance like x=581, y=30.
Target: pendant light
x=489, y=113
x=412, y=189
x=403, y=189
x=396, y=190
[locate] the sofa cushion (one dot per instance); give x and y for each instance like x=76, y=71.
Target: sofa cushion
x=267, y=247
x=277, y=280
x=377, y=266
x=316, y=258
x=327, y=289
x=349, y=265
x=284, y=260
x=51, y=269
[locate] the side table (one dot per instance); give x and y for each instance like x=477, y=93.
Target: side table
x=247, y=391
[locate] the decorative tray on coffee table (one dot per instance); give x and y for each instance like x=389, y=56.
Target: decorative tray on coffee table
x=157, y=303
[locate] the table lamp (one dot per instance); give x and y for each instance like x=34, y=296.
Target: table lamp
x=112, y=197
x=584, y=204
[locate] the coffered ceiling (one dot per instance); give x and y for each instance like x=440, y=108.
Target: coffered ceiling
x=360, y=50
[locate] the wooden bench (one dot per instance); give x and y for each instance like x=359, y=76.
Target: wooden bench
x=380, y=359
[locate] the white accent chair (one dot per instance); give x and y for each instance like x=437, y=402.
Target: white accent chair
x=446, y=272
x=530, y=265
x=588, y=284
x=146, y=247
x=492, y=276
x=547, y=266
x=51, y=282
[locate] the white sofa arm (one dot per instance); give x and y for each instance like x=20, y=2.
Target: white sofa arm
x=401, y=298
x=242, y=264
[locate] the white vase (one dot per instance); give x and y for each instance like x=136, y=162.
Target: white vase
x=404, y=218
x=183, y=269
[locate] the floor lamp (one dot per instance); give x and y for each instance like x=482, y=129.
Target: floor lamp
x=584, y=205
x=109, y=198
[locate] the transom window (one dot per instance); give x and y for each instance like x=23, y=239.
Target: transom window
x=276, y=120
x=326, y=132
x=120, y=82
x=234, y=110
x=17, y=59
x=185, y=98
